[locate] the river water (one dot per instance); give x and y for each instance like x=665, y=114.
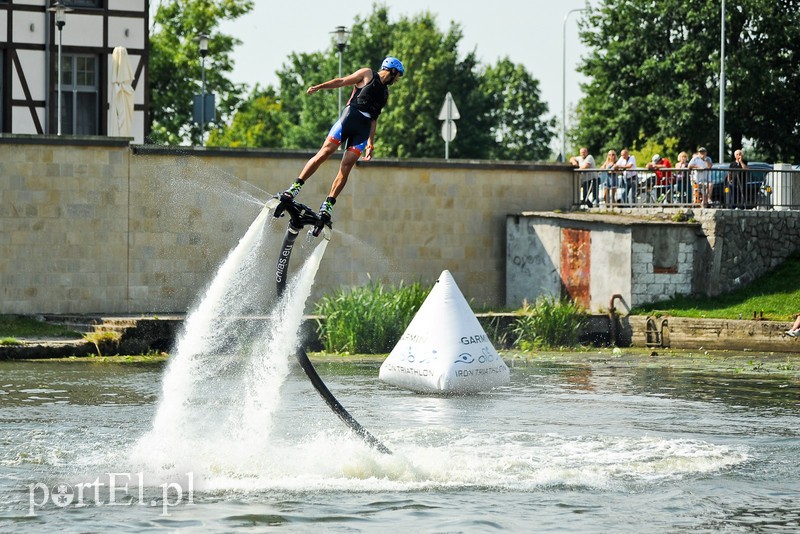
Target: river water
x=229, y=436
x=577, y=443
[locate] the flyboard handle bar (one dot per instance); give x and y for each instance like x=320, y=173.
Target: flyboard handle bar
x=301, y=215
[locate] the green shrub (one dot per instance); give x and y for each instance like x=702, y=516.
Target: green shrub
x=550, y=323
x=497, y=329
x=368, y=320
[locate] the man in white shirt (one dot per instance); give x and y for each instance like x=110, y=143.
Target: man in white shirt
x=589, y=180
x=627, y=162
x=701, y=162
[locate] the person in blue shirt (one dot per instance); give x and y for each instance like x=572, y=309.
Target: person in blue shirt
x=355, y=128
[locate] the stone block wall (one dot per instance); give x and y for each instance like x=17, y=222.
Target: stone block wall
x=745, y=245
x=651, y=284
x=63, y=227
x=93, y=226
x=737, y=246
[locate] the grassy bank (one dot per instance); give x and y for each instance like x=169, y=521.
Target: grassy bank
x=776, y=296
x=13, y=327
x=160, y=358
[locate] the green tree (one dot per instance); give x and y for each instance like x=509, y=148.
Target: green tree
x=500, y=119
x=175, y=66
x=654, y=73
x=411, y=127
x=259, y=122
x=763, y=73
x=516, y=112
x=308, y=118
x=408, y=125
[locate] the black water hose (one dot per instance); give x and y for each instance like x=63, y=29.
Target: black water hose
x=299, y=217
x=335, y=405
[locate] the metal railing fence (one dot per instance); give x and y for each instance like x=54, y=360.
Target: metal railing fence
x=719, y=187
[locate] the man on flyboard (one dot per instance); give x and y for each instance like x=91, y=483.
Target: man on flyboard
x=355, y=128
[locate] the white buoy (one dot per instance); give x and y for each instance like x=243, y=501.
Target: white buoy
x=444, y=349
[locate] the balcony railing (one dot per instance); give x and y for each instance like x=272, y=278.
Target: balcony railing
x=720, y=188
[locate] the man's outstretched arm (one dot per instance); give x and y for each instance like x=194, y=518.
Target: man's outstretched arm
x=350, y=79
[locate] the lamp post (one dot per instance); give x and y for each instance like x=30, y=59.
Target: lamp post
x=564, y=85
x=722, y=85
x=203, y=38
x=341, y=41
x=61, y=19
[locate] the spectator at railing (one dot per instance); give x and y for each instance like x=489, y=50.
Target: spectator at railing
x=627, y=164
x=658, y=163
x=589, y=179
x=737, y=180
x=701, y=162
x=663, y=181
x=682, y=178
x=609, y=179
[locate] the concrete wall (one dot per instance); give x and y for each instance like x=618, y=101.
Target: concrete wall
x=641, y=260
x=646, y=256
x=91, y=225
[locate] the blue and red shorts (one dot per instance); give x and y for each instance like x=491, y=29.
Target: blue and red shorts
x=352, y=129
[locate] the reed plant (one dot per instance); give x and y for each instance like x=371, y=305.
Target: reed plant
x=368, y=319
x=550, y=323
x=105, y=340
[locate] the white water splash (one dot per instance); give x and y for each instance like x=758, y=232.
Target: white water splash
x=222, y=390
x=467, y=460
x=222, y=385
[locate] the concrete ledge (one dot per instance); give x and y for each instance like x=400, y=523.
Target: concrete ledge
x=43, y=349
x=140, y=335
x=745, y=335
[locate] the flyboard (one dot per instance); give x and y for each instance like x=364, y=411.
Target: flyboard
x=301, y=215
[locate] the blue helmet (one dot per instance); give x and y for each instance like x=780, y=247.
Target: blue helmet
x=393, y=63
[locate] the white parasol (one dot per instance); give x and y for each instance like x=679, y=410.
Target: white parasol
x=121, y=109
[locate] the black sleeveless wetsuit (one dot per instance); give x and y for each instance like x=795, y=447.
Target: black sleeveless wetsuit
x=364, y=106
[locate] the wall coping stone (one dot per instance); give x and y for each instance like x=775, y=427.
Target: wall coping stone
x=64, y=140
x=436, y=163
x=607, y=218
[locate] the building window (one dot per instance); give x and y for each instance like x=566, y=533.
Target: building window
x=79, y=95
x=83, y=3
